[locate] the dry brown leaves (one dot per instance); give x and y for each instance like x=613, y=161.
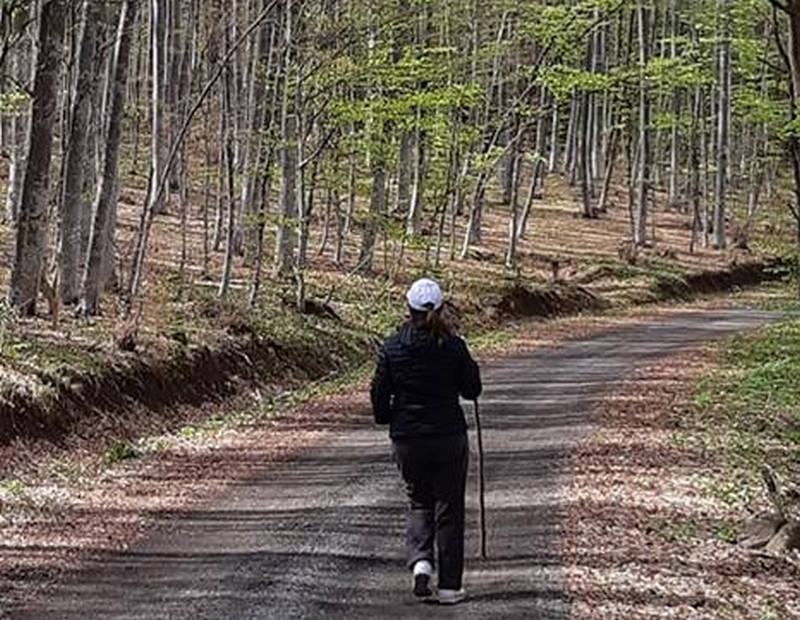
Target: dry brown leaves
x=646, y=536
x=62, y=510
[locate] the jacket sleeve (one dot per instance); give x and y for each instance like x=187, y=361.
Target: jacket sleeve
x=381, y=390
x=469, y=375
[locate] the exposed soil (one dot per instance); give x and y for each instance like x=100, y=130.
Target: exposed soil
x=190, y=376
x=557, y=300
x=715, y=281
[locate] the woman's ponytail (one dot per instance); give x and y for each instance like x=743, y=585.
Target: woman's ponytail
x=437, y=326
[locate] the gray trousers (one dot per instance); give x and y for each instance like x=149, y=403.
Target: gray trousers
x=434, y=470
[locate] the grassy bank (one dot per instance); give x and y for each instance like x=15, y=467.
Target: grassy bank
x=749, y=409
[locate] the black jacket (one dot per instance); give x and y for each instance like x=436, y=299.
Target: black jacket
x=418, y=382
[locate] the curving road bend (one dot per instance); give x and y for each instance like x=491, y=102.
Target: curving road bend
x=321, y=537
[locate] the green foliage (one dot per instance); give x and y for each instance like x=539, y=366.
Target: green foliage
x=791, y=129
x=679, y=532
x=753, y=402
x=15, y=488
x=726, y=533
x=562, y=80
x=751, y=106
x=668, y=74
x=768, y=368
x=668, y=285
x=119, y=451
x=12, y=101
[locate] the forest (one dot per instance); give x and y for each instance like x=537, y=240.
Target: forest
x=212, y=210
x=276, y=133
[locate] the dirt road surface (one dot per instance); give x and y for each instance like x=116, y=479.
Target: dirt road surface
x=321, y=536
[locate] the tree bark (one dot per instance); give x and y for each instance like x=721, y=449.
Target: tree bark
x=230, y=167
x=417, y=203
x=674, y=159
x=19, y=123
x=157, y=103
x=32, y=222
x=611, y=160
x=285, y=243
x=377, y=207
x=537, y=174
x=584, y=155
x=405, y=172
x=723, y=118
x=641, y=208
x=70, y=253
x=695, y=186
x=101, y=236
x=289, y=170
x=254, y=141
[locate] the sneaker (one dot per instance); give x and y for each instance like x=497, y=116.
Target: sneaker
x=422, y=579
x=451, y=597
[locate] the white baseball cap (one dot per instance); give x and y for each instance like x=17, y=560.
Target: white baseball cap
x=424, y=295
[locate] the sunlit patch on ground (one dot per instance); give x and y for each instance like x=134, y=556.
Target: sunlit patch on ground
x=649, y=532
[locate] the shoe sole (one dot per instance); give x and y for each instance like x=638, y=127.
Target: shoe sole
x=422, y=587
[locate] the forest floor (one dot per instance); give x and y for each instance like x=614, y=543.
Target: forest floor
x=662, y=491
x=602, y=501
x=52, y=374
x=132, y=443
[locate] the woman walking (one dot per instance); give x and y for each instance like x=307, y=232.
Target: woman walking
x=422, y=371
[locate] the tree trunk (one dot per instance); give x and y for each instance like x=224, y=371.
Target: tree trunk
x=473, y=232
x=32, y=221
x=695, y=189
x=230, y=169
x=641, y=208
x=405, y=173
x=377, y=207
x=611, y=160
x=72, y=205
x=674, y=150
x=174, y=60
x=285, y=242
x=417, y=203
x=793, y=9
x=101, y=236
x=157, y=104
x=254, y=147
x=569, y=147
x=513, y=222
x=258, y=268
x=552, y=163
x=794, y=45
x=584, y=156
x=19, y=123
x=723, y=145
x=289, y=170
x=536, y=176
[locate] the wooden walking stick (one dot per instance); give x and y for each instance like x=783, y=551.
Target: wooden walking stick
x=481, y=482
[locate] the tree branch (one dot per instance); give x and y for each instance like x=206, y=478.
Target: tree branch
x=322, y=146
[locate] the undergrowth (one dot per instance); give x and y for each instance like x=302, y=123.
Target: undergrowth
x=751, y=405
